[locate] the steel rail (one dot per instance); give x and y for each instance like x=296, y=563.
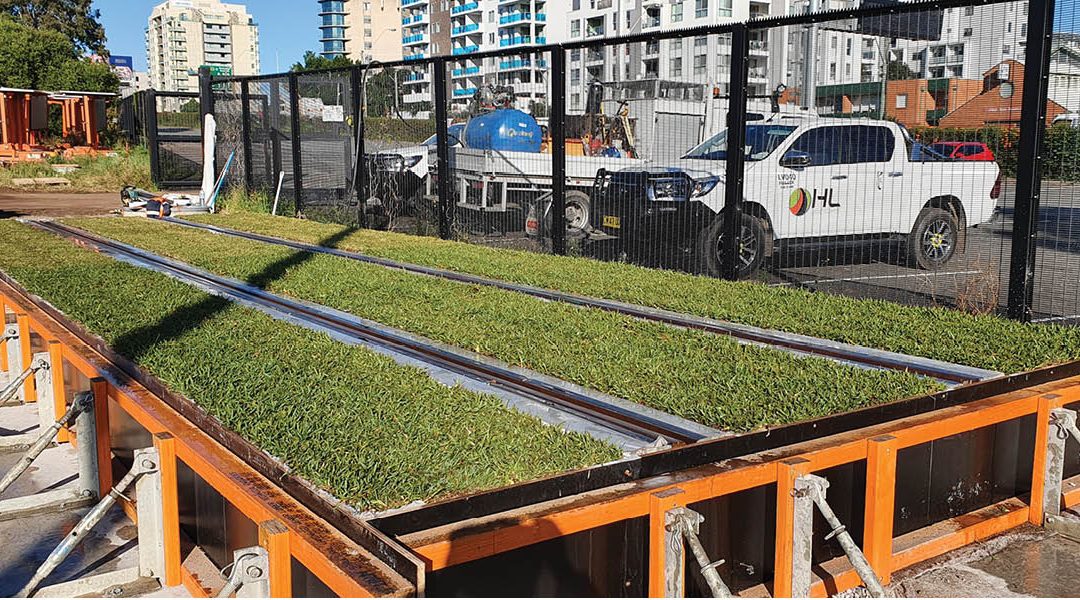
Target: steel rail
x=801, y=344
x=634, y=421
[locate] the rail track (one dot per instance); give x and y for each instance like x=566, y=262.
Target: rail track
x=634, y=425
x=869, y=358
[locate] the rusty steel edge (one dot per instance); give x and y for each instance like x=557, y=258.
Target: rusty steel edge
x=396, y=556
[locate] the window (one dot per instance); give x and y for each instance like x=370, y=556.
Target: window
x=832, y=70
x=676, y=67
x=575, y=28
x=676, y=46
x=701, y=45
x=700, y=64
x=1008, y=27
x=969, y=11
x=901, y=101
x=676, y=12
x=846, y=144
x=848, y=49
x=1006, y=49
x=967, y=32
x=576, y=5
x=701, y=8
x=725, y=8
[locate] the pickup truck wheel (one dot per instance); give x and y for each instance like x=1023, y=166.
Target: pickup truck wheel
x=934, y=239
x=751, y=247
x=577, y=211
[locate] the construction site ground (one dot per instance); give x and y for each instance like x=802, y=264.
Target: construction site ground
x=56, y=204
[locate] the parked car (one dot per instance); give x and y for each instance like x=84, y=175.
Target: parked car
x=819, y=180
x=963, y=150
x=400, y=177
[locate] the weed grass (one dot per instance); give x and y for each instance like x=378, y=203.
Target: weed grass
x=707, y=378
x=369, y=430
x=95, y=174
x=985, y=341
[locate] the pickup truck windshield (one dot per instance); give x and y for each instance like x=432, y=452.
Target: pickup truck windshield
x=761, y=140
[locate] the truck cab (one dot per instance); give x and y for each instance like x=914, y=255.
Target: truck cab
x=805, y=179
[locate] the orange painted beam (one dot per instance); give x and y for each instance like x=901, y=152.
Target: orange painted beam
x=100, y=389
x=274, y=537
x=880, y=504
x=985, y=523
x=22, y=320
x=787, y=471
x=659, y=504
x=56, y=371
x=840, y=454
x=192, y=585
x=170, y=506
x=965, y=421
x=3, y=305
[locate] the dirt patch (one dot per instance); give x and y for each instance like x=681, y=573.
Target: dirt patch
x=56, y=204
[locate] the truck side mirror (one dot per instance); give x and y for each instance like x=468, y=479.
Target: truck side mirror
x=795, y=159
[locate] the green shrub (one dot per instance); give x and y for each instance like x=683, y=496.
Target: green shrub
x=1062, y=162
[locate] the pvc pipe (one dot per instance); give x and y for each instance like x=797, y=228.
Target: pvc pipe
x=277, y=195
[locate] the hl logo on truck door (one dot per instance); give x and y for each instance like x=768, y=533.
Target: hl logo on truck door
x=802, y=200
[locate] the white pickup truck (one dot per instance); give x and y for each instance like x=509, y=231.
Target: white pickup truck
x=806, y=179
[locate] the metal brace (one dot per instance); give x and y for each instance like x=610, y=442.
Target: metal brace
x=13, y=386
x=1062, y=427
x=146, y=462
x=684, y=524
x=250, y=576
x=81, y=404
x=813, y=487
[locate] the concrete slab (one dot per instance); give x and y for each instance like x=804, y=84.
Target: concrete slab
x=56, y=468
x=1026, y=562
x=15, y=420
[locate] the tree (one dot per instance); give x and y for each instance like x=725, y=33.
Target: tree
x=75, y=19
x=315, y=62
x=35, y=59
x=899, y=70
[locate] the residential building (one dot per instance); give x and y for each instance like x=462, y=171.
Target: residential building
x=361, y=30
x=1000, y=102
x=462, y=28
x=910, y=102
x=184, y=35
x=1064, y=84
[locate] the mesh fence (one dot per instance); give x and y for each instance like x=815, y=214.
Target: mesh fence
x=879, y=157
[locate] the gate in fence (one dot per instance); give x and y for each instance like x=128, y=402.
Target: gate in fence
x=904, y=162
x=170, y=125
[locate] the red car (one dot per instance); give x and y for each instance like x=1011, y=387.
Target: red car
x=963, y=150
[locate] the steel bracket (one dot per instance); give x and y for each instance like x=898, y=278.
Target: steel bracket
x=683, y=526
x=250, y=577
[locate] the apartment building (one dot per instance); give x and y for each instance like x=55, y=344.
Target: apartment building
x=361, y=30
x=704, y=60
x=462, y=28
x=183, y=35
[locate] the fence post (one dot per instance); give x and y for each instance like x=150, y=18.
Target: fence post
x=1040, y=29
x=446, y=202
x=294, y=127
x=245, y=112
x=557, y=122
x=736, y=122
x=360, y=177
x=150, y=130
x=206, y=107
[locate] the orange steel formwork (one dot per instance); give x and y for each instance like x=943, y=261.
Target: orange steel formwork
x=290, y=532
x=23, y=139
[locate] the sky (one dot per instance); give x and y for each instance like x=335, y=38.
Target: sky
x=287, y=28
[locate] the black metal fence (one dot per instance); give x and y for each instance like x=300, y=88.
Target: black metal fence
x=169, y=124
x=892, y=151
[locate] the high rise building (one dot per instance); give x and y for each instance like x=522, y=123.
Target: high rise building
x=184, y=35
x=462, y=28
x=362, y=30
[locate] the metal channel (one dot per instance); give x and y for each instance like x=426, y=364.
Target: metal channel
x=618, y=416
x=861, y=356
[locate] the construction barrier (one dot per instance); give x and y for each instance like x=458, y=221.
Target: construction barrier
x=1000, y=463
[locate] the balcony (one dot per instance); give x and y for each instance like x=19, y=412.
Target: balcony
x=416, y=97
x=416, y=77
x=520, y=64
x=463, y=8
x=412, y=40
x=759, y=47
x=518, y=17
x=466, y=50
x=464, y=30
x=415, y=56
x=405, y=3
x=466, y=72
x=517, y=40
x=460, y=93
x=415, y=19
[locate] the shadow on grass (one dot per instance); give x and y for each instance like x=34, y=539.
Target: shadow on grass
x=138, y=343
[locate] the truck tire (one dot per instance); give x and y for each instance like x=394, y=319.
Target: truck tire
x=934, y=239
x=577, y=213
x=751, y=247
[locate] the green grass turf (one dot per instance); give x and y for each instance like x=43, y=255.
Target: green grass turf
x=988, y=342
x=371, y=431
x=708, y=378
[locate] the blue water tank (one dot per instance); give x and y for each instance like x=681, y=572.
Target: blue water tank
x=506, y=130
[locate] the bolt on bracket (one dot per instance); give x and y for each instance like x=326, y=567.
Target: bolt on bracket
x=250, y=576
